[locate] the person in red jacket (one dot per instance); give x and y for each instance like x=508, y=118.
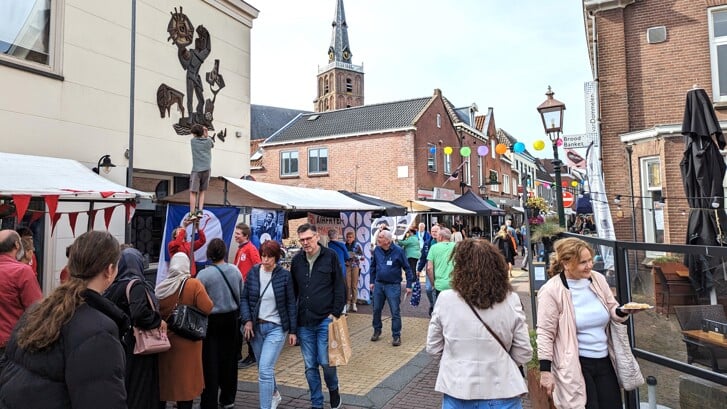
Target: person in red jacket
x=179, y=244
x=246, y=257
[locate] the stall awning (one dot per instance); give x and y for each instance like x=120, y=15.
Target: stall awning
x=471, y=201
x=433, y=206
x=65, y=178
x=390, y=209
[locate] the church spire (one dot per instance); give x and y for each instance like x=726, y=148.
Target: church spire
x=340, y=49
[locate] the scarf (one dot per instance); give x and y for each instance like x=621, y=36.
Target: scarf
x=178, y=272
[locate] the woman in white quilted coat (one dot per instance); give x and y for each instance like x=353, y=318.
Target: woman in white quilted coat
x=574, y=309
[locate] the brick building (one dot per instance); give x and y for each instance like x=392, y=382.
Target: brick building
x=646, y=55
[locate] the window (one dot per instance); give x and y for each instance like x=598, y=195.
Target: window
x=349, y=85
x=718, y=52
x=431, y=157
x=30, y=34
x=325, y=85
x=653, y=213
x=494, y=179
x=505, y=183
x=439, y=121
x=514, y=186
x=317, y=160
x=447, y=164
x=467, y=171
x=480, y=170
x=492, y=148
x=289, y=163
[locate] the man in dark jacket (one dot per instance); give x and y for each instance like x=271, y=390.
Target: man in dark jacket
x=385, y=275
x=320, y=290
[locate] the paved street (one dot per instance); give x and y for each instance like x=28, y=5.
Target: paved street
x=379, y=376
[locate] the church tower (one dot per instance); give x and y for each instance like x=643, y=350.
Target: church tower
x=340, y=83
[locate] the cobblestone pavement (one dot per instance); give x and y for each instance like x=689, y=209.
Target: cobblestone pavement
x=379, y=375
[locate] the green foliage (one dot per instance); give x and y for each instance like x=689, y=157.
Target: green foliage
x=668, y=258
x=538, y=203
x=550, y=228
x=534, y=363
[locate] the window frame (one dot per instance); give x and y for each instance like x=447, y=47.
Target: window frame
x=467, y=169
x=714, y=44
x=55, y=47
x=505, y=183
x=318, y=149
x=290, y=159
x=447, y=167
x=494, y=187
x=431, y=167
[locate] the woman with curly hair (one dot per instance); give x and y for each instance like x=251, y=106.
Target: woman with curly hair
x=66, y=351
x=480, y=313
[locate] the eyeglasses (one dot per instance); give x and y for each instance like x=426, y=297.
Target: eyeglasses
x=306, y=239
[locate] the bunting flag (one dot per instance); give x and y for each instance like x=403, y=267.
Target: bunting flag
x=107, y=213
x=130, y=208
x=21, y=204
x=53, y=221
x=35, y=216
x=72, y=217
x=52, y=202
x=91, y=217
x=455, y=173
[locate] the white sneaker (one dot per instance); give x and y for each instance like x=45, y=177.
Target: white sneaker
x=276, y=400
x=354, y=308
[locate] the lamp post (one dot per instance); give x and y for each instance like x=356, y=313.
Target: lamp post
x=551, y=112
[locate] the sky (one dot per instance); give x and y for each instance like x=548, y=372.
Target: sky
x=494, y=53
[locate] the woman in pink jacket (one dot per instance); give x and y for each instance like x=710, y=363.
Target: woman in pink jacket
x=574, y=310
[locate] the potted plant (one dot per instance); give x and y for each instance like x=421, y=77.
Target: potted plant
x=546, y=231
x=538, y=397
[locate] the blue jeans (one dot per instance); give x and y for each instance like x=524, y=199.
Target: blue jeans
x=392, y=294
x=449, y=402
x=314, y=347
x=267, y=344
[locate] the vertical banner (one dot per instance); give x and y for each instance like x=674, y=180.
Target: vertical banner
x=216, y=222
x=266, y=225
x=360, y=224
x=599, y=202
x=590, y=96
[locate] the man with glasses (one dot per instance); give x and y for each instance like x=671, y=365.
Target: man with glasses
x=319, y=287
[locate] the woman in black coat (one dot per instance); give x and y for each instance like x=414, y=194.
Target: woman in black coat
x=65, y=351
x=504, y=242
x=142, y=371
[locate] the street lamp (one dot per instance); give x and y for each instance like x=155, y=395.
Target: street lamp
x=105, y=163
x=551, y=112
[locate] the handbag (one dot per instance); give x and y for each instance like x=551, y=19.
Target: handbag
x=416, y=293
x=186, y=320
x=625, y=364
x=499, y=341
x=339, y=342
x=148, y=341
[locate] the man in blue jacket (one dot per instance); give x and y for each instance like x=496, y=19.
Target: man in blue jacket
x=385, y=275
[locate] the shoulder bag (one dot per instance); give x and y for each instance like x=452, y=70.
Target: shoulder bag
x=186, y=320
x=499, y=341
x=148, y=341
x=625, y=365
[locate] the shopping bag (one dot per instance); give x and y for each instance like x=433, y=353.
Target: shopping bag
x=416, y=293
x=339, y=342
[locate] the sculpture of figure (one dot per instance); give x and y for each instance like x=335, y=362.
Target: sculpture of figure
x=191, y=60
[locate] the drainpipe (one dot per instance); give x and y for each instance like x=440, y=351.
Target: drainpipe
x=132, y=80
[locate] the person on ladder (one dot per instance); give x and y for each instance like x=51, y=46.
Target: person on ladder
x=199, y=177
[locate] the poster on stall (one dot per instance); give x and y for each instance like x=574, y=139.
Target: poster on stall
x=324, y=224
x=266, y=225
x=216, y=222
x=398, y=225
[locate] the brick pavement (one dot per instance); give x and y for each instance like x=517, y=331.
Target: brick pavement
x=404, y=379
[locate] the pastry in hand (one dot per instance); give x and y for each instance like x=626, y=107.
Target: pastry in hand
x=635, y=306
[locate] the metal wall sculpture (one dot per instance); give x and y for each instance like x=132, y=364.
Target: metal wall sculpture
x=198, y=109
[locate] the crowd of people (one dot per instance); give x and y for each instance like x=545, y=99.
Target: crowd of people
x=78, y=346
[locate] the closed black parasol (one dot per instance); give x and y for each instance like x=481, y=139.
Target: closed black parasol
x=703, y=170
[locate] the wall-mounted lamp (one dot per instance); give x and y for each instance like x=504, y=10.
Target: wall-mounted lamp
x=105, y=163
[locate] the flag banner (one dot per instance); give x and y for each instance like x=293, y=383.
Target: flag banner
x=266, y=225
x=599, y=201
x=216, y=222
x=324, y=224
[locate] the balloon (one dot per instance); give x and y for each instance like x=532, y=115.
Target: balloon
x=537, y=183
x=547, y=185
x=483, y=150
x=433, y=150
x=447, y=150
x=559, y=142
x=465, y=151
x=564, y=184
x=501, y=148
x=519, y=147
x=539, y=145
x=574, y=183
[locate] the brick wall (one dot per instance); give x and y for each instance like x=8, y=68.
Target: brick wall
x=643, y=85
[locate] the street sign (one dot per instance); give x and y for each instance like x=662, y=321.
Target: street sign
x=568, y=199
x=577, y=141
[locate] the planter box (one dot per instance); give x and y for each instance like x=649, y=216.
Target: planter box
x=538, y=397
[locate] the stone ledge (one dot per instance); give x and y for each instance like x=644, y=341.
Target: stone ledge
x=697, y=393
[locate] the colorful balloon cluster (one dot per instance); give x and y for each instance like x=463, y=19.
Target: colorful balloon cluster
x=500, y=148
